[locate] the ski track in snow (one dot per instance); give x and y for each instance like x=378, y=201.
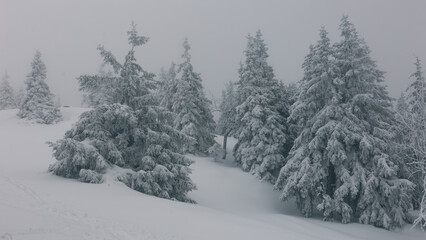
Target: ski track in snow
x=231, y=204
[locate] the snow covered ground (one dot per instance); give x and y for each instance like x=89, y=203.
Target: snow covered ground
x=232, y=204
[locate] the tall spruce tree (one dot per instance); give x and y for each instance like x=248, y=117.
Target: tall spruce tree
x=416, y=92
x=261, y=129
x=412, y=138
x=7, y=95
x=340, y=162
x=309, y=175
x=38, y=103
x=191, y=107
x=131, y=132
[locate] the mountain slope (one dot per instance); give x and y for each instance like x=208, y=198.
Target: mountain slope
x=232, y=204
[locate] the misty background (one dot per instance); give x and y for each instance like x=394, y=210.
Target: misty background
x=68, y=32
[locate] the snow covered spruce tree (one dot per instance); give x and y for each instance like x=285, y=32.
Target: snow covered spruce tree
x=412, y=138
x=38, y=103
x=191, y=107
x=309, y=175
x=261, y=130
x=131, y=133
x=226, y=125
x=7, y=95
x=340, y=162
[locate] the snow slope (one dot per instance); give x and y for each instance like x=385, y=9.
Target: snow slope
x=232, y=204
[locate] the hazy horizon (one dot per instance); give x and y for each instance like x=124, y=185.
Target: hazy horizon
x=68, y=32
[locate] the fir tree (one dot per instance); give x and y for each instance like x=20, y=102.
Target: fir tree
x=411, y=140
x=226, y=125
x=341, y=162
x=417, y=90
x=192, y=108
x=7, y=98
x=261, y=130
x=38, y=103
x=309, y=174
x=131, y=132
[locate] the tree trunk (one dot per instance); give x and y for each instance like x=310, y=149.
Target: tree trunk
x=225, y=140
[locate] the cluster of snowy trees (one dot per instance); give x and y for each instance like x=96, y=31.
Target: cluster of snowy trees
x=138, y=126
x=37, y=102
x=335, y=144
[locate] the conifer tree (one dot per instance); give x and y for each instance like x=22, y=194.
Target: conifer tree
x=309, y=174
x=341, y=162
x=38, y=103
x=7, y=98
x=131, y=132
x=261, y=131
x=191, y=107
x=416, y=92
x=412, y=138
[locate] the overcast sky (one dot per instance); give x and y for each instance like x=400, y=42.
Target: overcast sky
x=67, y=33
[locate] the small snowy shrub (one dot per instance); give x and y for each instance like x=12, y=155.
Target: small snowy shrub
x=216, y=151
x=90, y=176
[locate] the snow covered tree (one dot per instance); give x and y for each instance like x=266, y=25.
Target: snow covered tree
x=192, y=108
x=38, y=103
x=416, y=92
x=411, y=140
x=309, y=174
x=340, y=162
x=228, y=109
x=261, y=129
x=131, y=133
x=7, y=97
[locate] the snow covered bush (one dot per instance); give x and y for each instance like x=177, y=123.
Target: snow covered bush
x=131, y=132
x=340, y=163
x=38, y=103
x=261, y=130
x=216, y=151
